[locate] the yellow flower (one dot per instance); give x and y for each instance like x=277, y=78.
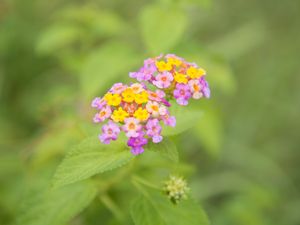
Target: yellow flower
x=180, y=78
x=128, y=95
x=174, y=61
x=195, y=73
x=163, y=66
x=141, y=98
x=112, y=99
x=201, y=72
x=141, y=114
x=119, y=115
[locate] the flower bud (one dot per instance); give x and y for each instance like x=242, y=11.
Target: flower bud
x=176, y=188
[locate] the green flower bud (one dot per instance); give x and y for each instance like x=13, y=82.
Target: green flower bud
x=176, y=188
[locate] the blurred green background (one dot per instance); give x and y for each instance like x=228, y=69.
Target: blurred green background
x=55, y=56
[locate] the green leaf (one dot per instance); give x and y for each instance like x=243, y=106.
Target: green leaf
x=155, y=207
x=56, y=207
x=167, y=148
x=89, y=158
x=162, y=28
x=143, y=213
x=104, y=66
x=186, y=118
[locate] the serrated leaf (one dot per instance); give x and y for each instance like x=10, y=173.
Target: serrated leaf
x=162, y=28
x=167, y=148
x=143, y=213
x=89, y=158
x=56, y=207
x=186, y=118
x=158, y=207
x=104, y=66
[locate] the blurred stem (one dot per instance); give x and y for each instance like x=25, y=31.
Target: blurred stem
x=112, y=206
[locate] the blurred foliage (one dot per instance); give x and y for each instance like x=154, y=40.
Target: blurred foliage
x=238, y=149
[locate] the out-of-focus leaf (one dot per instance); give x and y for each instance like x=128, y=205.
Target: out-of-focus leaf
x=97, y=21
x=105, y=65
x=164, y=212
x=56, y=207
x=240, y=41
x=143, y=213
x=209, y=131
x=162, y=28
x=167, y=148
x=57, y=37
x=90, y=157
x=186, y=118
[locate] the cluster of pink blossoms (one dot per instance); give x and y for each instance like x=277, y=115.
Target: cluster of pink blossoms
x=176, y=77
x=135, y=110
x=138, y=111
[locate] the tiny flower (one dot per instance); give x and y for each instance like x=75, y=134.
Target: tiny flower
x=137, y=88
x=195, y=73
x=180, y=78
x=153, y=108
x=163, y=66
x=141, y=114
x=195, y=88
x=169, y=120
x=174, y=61
x=110, y=131
x=131, y=127
x=98, y=103
x=130, y=108
x=156, y=96
x=141, y=97
x=102, y=115
x=163, y=80
x=153, y=130
x=118, y=88
x=119, y=115
x=205, y=88
x=137, y=143
x=113, y=99
x=182, y=94
x=176, y=189
x=162, y=110
x=128, y=95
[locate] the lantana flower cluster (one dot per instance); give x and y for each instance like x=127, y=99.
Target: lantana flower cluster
x=176, y=77
x=139, y=111
x=135, y=110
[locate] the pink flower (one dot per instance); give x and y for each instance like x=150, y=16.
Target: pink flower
x=102, y=115
x=137, y=143
x=205, y=87
x=153, y=108
x=163, y=80
x=195, y=88
x=110, y=131
x=98, y=103
x=131, y=127
x=118, y=88
x=153, y=130
x=169, y=120
x=182, y=94
x=137, y=88
x=156, y=96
